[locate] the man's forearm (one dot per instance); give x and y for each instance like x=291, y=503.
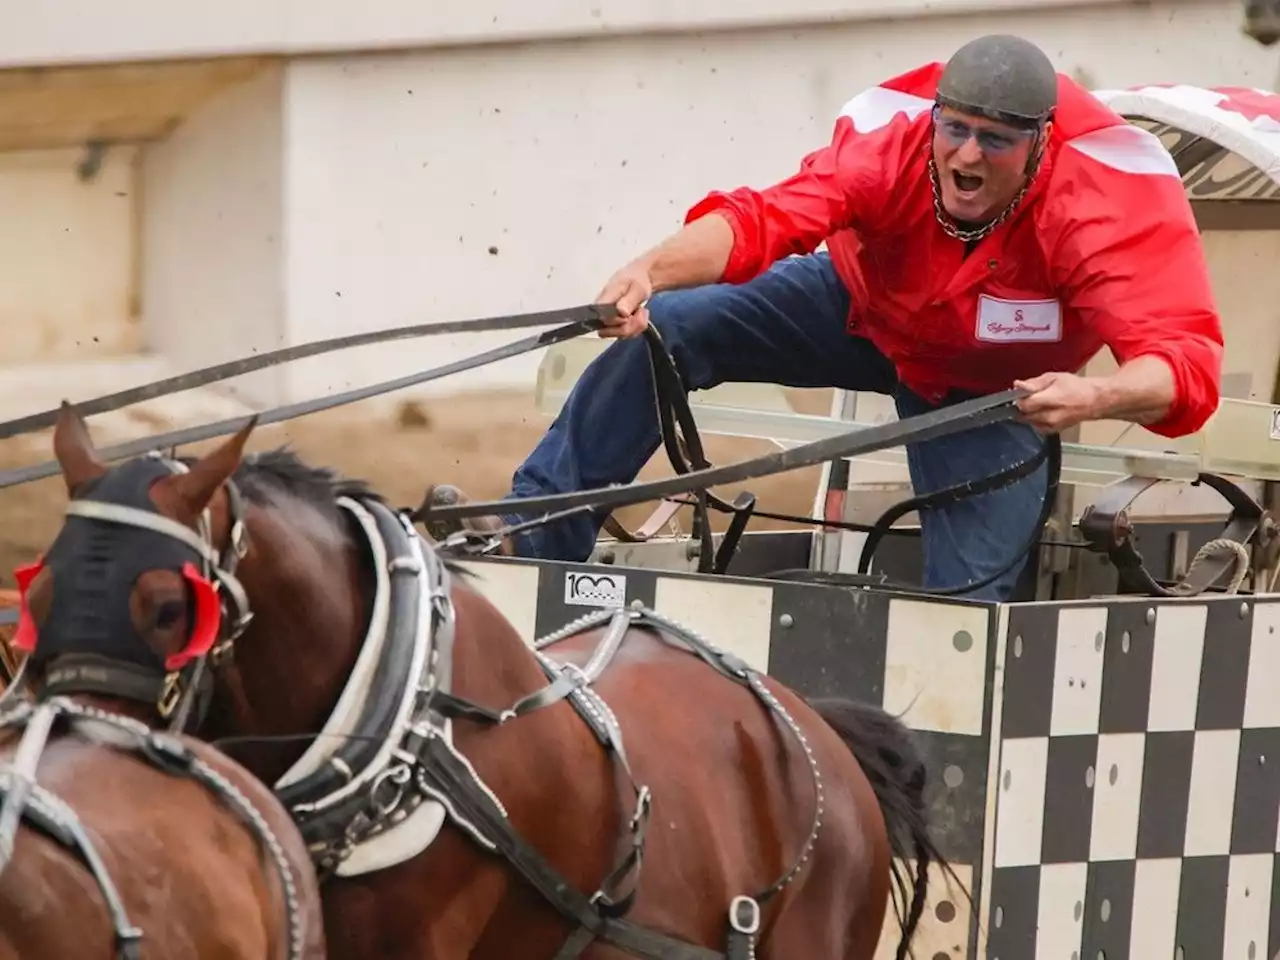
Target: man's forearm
x=695, y=256
x=1141, y=391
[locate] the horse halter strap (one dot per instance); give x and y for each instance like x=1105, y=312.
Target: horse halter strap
x=221, y=606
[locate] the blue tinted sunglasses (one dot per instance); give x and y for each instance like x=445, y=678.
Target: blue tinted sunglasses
x=994, y=142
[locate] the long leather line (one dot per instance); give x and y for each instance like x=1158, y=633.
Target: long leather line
x=221, y=428
x=945, y=421
x=260, y=361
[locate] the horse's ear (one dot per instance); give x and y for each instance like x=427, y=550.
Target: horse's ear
x=74, y=449
x=196, y=488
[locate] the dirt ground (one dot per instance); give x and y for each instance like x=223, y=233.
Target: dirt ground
x=474, y=440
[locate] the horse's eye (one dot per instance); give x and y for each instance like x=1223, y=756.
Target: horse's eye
x=170, y=614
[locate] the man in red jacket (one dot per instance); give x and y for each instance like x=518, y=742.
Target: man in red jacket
x=989, y=224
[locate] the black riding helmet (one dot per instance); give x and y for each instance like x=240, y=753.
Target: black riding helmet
x=1003, y=78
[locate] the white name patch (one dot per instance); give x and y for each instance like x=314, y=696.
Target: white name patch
x=1018, y=321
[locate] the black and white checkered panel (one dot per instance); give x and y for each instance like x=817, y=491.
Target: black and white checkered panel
x=929, y=661
x=1138, y=797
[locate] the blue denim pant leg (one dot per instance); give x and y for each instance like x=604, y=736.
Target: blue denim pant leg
x=787, y=326
x=969, y=540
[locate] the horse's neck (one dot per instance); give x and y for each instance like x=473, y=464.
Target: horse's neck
x=309, y=591
x=310, y=586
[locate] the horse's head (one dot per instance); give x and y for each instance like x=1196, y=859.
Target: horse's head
x=1262, y=20
x=139, y=586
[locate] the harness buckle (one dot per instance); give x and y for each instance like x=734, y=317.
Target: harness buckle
x=442, y=606
x=170, y=694
x=644, y=799
x=239, y=539
x=218, y=652
x=395, y=778
x=744, y=916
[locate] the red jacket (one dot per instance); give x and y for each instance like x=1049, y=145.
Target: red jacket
x=1102, y=251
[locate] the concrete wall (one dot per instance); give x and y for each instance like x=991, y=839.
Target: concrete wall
x=213, y=234
x=565, y=159
x=68, y=248
x=332, y=194
x=79, y=31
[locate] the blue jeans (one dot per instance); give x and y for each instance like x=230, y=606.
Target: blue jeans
x=787, y=326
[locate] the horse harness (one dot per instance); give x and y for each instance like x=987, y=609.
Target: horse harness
x=1105, y=531
x=401, y=753
x=25, y=801
x=113, y=538
x=106, y=555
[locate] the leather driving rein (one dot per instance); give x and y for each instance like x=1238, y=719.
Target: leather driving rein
x=694, y=474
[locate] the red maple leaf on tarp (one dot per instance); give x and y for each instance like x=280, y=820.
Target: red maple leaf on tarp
x=1249, y=103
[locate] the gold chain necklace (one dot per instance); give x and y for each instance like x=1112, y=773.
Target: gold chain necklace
x=949, y=225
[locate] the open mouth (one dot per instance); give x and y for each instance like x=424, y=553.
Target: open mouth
x=966, y=183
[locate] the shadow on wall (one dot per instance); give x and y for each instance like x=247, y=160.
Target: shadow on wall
x=1262, y=20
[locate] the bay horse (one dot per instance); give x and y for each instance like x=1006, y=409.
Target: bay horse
x=119, y=841
x=640, y=794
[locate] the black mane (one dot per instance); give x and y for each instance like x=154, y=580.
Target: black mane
x=264, y=475
x=270, y=473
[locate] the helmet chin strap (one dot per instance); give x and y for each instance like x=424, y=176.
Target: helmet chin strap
x=1038, y=146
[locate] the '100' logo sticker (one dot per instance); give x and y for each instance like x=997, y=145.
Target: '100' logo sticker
x=595, y=589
